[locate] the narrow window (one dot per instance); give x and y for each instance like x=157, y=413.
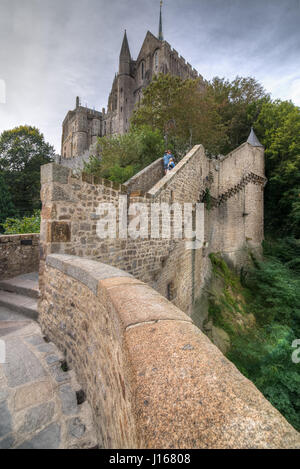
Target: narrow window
x=156, y=60
x=143, y=70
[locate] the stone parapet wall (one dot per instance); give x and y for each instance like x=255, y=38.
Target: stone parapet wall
x=19, y=254
x=146, y=178
x=152, y=378
x=69, y=217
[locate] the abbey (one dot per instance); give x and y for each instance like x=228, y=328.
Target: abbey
x=82, y=126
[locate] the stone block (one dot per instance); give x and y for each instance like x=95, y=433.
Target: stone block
x=59, y=232
x=49, y=438
x=5, y=420
x=33, y=393
x=37, y=417
x=54, y=173
x=68, y=399
x=76, y=429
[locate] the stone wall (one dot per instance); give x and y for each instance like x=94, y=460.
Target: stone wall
x=232, y=225
x=147, y=178
x=19, y=254
x=152, y=378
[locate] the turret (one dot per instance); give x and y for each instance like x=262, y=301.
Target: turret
x=125, y=57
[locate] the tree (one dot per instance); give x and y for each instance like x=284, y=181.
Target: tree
x=238, y=104
x=6, y=206
x=22, y=152
x=218, y=115
x=182, y=111
x=278, y=127
x=122, y=156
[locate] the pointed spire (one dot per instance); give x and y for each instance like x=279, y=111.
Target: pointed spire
x=253, y=140
x=160, y=30
x=125, y=51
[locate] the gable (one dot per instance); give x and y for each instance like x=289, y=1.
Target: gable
x=150, y=44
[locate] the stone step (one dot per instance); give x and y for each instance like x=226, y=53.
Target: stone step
x=26, y=284
x=19, y=303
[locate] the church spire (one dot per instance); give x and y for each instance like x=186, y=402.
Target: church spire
x=125, y=51
x=160, y=29
x=125, y=57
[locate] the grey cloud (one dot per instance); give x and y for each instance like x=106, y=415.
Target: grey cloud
x=53, y=50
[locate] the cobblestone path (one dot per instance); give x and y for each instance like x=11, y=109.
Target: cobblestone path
x=41, y=405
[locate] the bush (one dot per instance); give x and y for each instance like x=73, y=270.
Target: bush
x=264, y=354
x=122, y=156
x=30, y=224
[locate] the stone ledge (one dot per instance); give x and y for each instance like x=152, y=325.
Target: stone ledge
x=53, y=172
x=182, y=390
x=169, y=177
x=188, y=395
x=18, y=237
x=86, y=271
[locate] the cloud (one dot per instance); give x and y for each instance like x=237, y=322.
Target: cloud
x=53, y=50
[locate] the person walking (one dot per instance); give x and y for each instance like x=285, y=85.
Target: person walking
x=166, y=160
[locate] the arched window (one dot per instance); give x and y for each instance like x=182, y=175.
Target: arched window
x=156, y=60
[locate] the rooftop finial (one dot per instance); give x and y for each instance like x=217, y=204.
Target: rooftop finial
x=160, y=30
x=253, y=140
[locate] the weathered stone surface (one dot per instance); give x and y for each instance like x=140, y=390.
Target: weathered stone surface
x=35, y=340
x=54, y=173
x=5, y=420
x=37, y=417
x=7, y=442
x=68, y=400
x=138, y=303
x=46, y=348
x=49, y=438
x=59, y=375
x=21, y=365
x=17, y=258
x=59, y=232
x=3, y=394
x=89, y=272
x=76, y=428
x=52, y=359
x=155, y=383
x=214, y=406
x=32, y=394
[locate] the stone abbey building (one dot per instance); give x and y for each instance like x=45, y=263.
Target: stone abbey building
x=82, y=126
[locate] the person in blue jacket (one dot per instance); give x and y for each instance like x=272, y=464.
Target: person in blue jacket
x=167, y=157
x=166, y=160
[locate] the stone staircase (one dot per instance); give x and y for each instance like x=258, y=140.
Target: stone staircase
x=42, y=405
x=20, y=294
x=246, y=179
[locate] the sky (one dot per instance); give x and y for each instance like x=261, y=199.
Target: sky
x=54, y=50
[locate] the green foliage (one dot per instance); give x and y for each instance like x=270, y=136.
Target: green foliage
x=24, y=225
x=218, y=115
x=263, y=352
x=183, y=112
x=226, y=305
x=22, y=152
x=238, y=104
x=6, y=206
x=265, y=357
x=122, y=156
x=207, y=199
x=278, y=127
